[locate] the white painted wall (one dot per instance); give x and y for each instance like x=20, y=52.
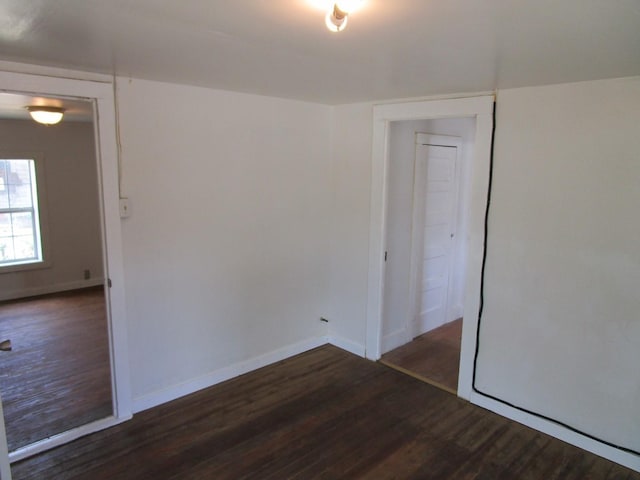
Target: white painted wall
x=397, y=303
x=227, y=250
x=73, y=219
x=351, y=155
x=560, y=333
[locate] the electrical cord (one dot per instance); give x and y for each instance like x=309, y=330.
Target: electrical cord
x=481, y=310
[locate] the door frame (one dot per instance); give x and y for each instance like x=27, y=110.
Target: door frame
x=417, y=229
x=481, y=108
x=5, y=467
x=100, y=91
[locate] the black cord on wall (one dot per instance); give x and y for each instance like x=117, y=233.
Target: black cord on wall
x=481, y=310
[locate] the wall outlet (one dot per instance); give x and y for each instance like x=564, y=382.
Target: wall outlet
x=87, y=274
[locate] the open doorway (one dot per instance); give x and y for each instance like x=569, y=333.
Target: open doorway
x=427, y=205
x=105, y=299
x=480, y=110
x=52, y=278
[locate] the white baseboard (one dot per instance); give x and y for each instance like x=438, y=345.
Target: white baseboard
x=208, y=380
x=626, y=459
x=348, y=345
x=47, y=289
x=393, y=340
x=64, y=438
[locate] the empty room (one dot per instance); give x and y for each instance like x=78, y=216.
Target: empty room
x=236, y=237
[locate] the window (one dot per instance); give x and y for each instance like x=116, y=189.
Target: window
x=20, y=239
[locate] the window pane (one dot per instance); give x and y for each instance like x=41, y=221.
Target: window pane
x=22, y=223
x=4, y=195
x=4, y=188
x=5, y=225
x=6, y=249
x=18, y=172
x=20, y=196
x=23, y=247
x=18, y=176
x=19, y=230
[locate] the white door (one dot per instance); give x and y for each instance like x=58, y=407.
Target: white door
x=435, y=202
x=5, y=469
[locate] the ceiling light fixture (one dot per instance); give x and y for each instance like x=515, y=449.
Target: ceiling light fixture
x=46, y=115
x=336, y=19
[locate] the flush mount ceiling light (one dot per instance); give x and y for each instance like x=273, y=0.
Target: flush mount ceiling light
x=336, y=18
x=46, y=115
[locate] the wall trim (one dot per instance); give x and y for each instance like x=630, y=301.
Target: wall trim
x=626, y=459
x=43, y=70
x=65, y=437
x=207, y=380
x=47, y=289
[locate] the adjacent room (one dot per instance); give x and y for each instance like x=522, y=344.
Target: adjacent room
x=308, y=239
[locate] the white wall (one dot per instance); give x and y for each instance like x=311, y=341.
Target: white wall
x=560, y=333
x=351, y=155
x=397, y=303
x=72, y=208
x=227, y=250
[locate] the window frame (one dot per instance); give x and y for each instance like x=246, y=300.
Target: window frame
x=41, y=198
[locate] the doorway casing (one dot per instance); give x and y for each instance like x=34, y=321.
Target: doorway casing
x=102, y=95
x=480, y=108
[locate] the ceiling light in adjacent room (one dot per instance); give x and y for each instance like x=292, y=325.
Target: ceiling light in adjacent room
x=46, y=115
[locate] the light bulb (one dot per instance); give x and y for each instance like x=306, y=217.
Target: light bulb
x=335, y=21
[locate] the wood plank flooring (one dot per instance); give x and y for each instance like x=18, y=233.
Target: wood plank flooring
x=433, y=357
x=57, y=376
x=324, y=414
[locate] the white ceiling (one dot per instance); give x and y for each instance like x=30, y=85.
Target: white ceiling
x=390, y=49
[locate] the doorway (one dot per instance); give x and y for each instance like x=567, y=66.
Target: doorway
x=479, y=111
x=57, y=376
x=106, y=297
x=426, y=229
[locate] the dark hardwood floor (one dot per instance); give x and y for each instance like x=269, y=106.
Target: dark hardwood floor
x=57, y=376
x=433, y=357
x=325, y=414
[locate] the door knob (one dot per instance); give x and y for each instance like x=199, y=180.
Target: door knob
x=5, y=346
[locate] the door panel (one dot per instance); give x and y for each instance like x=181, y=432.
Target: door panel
x=437, y=167
x=5, y=468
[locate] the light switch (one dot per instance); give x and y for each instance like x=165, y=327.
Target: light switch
x=124, y=208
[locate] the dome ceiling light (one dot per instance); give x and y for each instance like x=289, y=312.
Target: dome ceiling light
x=46, y=115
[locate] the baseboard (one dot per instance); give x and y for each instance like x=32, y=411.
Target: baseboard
x=626, y=459
x=64, y=438
x=393, y=340
x=47, y=289
x=226, y=373
x=348, y=345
